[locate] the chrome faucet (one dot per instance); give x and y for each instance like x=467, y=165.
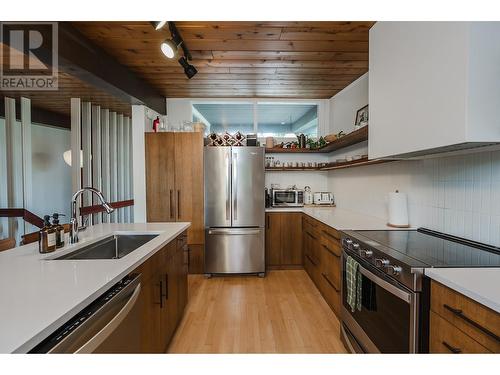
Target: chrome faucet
x=74, y=228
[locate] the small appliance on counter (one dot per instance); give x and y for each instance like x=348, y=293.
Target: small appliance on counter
x=323, y=198
x=287, y=197
x=308, y=196
x=268, y=198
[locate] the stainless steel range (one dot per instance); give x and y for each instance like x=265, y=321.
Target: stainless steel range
x=393, y=315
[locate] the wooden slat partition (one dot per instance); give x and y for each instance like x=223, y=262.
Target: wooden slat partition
x=106, y=186
x=105, y=139
x=113, y=164
x=96, y=156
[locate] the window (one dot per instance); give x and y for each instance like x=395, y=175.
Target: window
x=286, y=120
x=222, y=117
x=267, y=119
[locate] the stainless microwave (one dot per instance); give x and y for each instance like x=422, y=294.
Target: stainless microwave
x=287, y=197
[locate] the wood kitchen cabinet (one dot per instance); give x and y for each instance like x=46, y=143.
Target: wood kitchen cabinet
x=174, y=186
x=163, y=295
x=283, y=240
x=460, y=325
x=322, y=260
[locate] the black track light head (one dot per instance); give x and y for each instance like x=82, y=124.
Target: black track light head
x=189, y=69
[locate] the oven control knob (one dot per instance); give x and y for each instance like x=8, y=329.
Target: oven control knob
x=379, y=262
x=365, y=253
x=348, y=241
x=355, y=246
x=395, y=270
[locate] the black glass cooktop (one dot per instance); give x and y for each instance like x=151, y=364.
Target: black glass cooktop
x=435, y=249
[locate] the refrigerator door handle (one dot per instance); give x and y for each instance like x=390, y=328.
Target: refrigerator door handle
x=236, y=232
x=228, y=186
x=235, y=186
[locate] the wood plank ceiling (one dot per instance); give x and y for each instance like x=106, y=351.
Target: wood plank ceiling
x=242, y=59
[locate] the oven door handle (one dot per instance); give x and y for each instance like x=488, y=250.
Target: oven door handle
x=398, y=292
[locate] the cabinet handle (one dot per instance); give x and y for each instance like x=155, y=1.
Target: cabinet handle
x=161, y=296
x=166, y=286
x=310, y=235
x=171, y=205
x=178, y=204
x=329, y=235
x=458, y=313
x=330, y=251
x=311, y=260
x=451, y=348
x=329, y=282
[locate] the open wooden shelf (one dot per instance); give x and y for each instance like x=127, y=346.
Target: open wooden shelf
x=354, y=163
x=290, y=169
x=350, y=139
x=331, y=166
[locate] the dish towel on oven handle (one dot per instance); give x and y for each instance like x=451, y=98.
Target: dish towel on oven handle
x=353, y=281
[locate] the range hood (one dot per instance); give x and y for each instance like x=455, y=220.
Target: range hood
x=434, y=89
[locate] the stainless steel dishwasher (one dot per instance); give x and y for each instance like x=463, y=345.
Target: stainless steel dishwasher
x=110, y=324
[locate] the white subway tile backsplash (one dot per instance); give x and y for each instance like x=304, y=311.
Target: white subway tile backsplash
x=459, y=194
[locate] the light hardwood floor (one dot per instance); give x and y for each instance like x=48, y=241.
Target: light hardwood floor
x=281, y=313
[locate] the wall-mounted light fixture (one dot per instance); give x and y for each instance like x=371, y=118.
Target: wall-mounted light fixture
x=67, y=157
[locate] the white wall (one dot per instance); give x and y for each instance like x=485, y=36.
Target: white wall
x=345, y=104
x=51, y=176
x=458, y=195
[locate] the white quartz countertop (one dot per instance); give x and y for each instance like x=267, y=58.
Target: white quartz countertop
x=339, y=218
x=479, y=284
x=38, y=295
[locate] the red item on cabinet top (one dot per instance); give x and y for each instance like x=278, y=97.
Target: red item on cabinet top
x=156, y=124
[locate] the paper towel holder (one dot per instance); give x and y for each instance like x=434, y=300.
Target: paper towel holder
x=398, y=226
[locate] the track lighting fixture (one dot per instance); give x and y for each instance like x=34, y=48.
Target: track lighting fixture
x=171, y=47
x=158, y=24
x=189, y=69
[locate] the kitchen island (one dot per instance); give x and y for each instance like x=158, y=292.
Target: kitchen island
x=39, y=295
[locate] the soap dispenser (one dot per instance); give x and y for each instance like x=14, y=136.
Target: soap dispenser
x=47, y=237
x=59, y=230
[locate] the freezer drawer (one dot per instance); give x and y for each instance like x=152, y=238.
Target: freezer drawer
x=234, y=250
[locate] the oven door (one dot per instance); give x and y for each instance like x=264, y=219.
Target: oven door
x=284, y=198
x=387, y=322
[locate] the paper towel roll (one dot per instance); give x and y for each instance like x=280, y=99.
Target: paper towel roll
x=398, y=209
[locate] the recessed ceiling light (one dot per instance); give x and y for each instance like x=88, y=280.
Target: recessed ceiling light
x=158, y=24
x=169, y=48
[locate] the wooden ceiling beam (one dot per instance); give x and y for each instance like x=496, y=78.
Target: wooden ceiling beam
x=92, y=64
x=81, y=58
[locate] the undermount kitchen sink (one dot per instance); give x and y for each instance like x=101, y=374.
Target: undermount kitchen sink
x=112, y=247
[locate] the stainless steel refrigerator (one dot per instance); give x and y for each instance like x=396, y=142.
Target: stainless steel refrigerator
x=234, y=210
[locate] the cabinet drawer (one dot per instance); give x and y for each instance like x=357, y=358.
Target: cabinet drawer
x=446, y=338
x=330, y=233
x=332, y=246
x=472, y=318
x=330, y=267
x=331, y=292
